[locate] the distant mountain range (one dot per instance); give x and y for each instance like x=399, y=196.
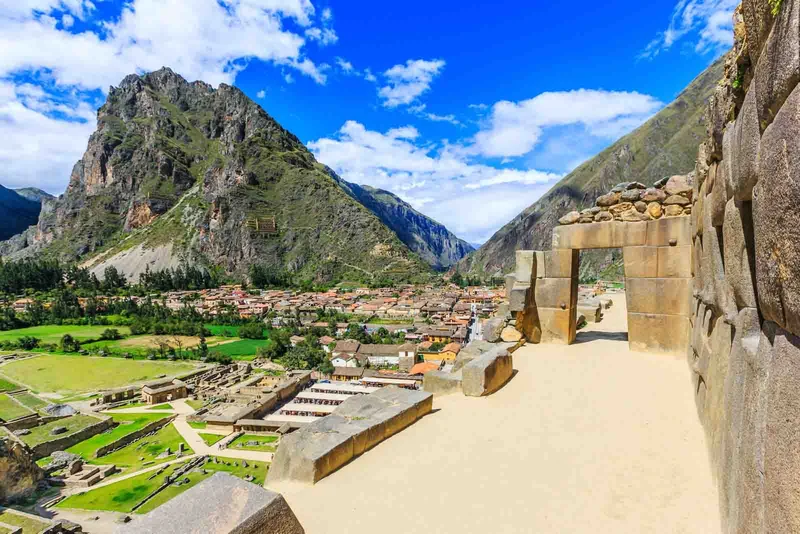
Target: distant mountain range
x=19, y=209
x=182, y=172
x=664, y=145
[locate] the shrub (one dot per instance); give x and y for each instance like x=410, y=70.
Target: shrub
x=252, y=331
x=28, y=342
x=110, y=334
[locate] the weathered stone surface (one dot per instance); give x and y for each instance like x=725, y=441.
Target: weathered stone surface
x=674, y=262
x=758, y=19
x=510, y=335
x=669, y=232
x=557, y=325
x=658, y=333
x=673, y=211
x=441, y=382
x=640, y=206
x=776, y=218
x=778, y=69
x=633, y=215
x=356, y=425
x=540, y=264
x=554, y=292
x=609, y=199
x=630, y=195
x=651, y=194
x=492, y=328
x=654, y=210
x=640, y=262
x=716, y=200
x=782, y=435
x=717, y=291
x=671, y=296
x=677, y=200
x=739, y=252
x=618, y=209
x=570, y=218
x=679, y=185
x=473, y=349
x=603, y=216
x=488, y=373
x=586, y=220
x=746, y=140
x=592, y=313
x=601, y=235
x=697, y=257
x=517, y=298
x=561, y=263
x=719, y=110
x=700, y=167
x=659, y=184
x=222, y=504
x=525, y=266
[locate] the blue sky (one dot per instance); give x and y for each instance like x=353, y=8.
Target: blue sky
x=470, y=111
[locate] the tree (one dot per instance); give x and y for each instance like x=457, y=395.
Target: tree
x=326, y=367
x=28, y=342
x=113, y=279
x=69, y=344
x=202, y=347
x=110, y=334
x=251, y=331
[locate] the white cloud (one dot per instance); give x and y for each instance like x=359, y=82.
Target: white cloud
x=514, y=128
x=420, y=110
x=709, y=22
x=288, y=78
x=369, y=76
x=433, y=176
x=345, y=65
x=480, y=107
x=407, y=82
x=261, y=94
x=325, y=36
x=327, y=14
x=67, y=20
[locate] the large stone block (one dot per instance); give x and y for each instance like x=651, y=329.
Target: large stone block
x=640, y=262
x=674, y=262
x=488, y=373
x=697, y=256
x=778, y=69
x=776, y=217
x=758, y=19
x=746, y=140
x=669, y=232
x=555, y=292
x=557, y=325
x=649, y=332
x=441, y=382
x=491, y=329
x=717, y=292
x=593, y=313
x=670, y=296
x=359, y=423
x=221, y=504
x=782, y=436
x=525, y=266
x=718, y=197
x=739, y=253
x=719, y=109
x=517, y=298
x=613, y=234
x=561, y=263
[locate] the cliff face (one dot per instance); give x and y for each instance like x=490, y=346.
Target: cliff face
x=663, y=146
x=179, y=171
x=430, y=240
x=16, y=212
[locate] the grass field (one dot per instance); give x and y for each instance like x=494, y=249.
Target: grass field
x=128, y=423
x=10, y=409
x=244, y=349
x=29, y=526
x=222, y=330
x=53, y=333
x=165, y=406
x=7, y=385
x=198, y=425
x=130, y=457
x=265, y=443
x=79, y=374
x=40, y=434
x=210, y=439
x=31, y=401
x=195, y=404
x=125, y=494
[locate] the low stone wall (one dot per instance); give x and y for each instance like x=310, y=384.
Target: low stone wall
x=28, y=421
x=133, y=436
x=64, y=442
x=355, y=426
x=487, y=373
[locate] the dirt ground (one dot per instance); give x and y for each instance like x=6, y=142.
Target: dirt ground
x=589, y=437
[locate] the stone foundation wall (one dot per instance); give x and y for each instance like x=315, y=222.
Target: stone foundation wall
x=133, y=436
x=63, y=442
x=745, y=349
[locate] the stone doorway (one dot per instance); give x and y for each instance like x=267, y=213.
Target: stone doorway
x=657, y=256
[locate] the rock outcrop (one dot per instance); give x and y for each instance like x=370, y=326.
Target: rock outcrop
x=19, y=474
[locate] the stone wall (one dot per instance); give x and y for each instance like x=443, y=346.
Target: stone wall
x=745, y=349
x=133, y=436
x=61, y=443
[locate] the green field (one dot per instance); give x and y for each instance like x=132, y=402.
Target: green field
x=195, y=404
x=41, y=434
x=53, y=333
x=244, y=349
x=198, y=425
x=265, y=443
x=222, y=330
x=165, y=406
x=79, y=374
x=128, y=423
x=10, y=409
x=125, y=494
x=29, y=526
x=31, y=401
x=129, y=458
x=6, y=385
x=210, y=439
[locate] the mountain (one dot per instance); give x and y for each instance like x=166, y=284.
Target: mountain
x=429, y=239
x=182, y=172
x=664, y=145
x=16, y=212
x=34, y=193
